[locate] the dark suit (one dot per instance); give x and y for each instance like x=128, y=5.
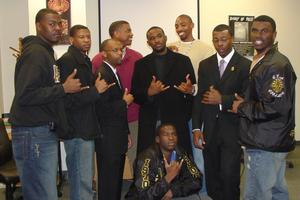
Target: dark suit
x=170, y=106
x=112, y=144
x=222, y=150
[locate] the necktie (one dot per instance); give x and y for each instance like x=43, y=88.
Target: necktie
x=222, y=66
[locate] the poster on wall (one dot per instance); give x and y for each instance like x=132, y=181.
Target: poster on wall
x=63, y=8
x=241, y=26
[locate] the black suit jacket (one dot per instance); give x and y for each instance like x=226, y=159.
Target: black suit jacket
x=172, y=105
x=234, y=80
x=111, y=110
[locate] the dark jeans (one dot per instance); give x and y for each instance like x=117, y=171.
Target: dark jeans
x=36, y=154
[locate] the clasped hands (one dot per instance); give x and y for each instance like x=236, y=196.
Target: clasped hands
x=156, y=86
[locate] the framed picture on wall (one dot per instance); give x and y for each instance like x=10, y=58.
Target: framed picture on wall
x=241, y=26
x=63, y=7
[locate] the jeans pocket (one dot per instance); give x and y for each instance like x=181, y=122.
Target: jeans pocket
x=19, y=145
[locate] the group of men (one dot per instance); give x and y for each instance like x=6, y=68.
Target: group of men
x=122, y=99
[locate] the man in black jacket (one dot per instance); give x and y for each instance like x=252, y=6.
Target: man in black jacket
x=164, y=171
x=267, y=116
x=111, y=110
x=37, y=111
x=81, y=114
x=162, y=84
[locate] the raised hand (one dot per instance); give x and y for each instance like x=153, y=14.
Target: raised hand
x=186, y=87
x=236, y=103
x=127, y=97
x=101, y=84
x=172, y=169
x=72, y=85
x=156, y=87
x=212, y=96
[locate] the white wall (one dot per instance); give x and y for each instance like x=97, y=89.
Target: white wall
x=143, y=14
x=14, y=24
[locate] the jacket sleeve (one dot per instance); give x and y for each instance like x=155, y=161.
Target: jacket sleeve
x=274, y=96
x=189, y=181
x=140, y=84
x=75, y=100
x=197, y=105
x=32, y=87
x=145, y=183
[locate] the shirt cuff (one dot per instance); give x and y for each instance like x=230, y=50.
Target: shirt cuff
x=196, y=129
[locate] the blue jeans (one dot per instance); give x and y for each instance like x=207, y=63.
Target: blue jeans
x=199, y=161
x=80, y=164
x=36, y=155
x=265, y=175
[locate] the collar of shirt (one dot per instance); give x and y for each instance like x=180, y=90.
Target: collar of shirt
x=227, y=58
x=124, y=52
x=113, y=69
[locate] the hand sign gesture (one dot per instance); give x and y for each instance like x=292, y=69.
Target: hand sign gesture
x=101, y=84
x=72, y=85
x=186, y=87
x=156, y=87
x=127, y=97
x=212, y=96
x=172, y=169
x=236, y=103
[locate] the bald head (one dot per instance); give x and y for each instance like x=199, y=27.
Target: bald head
x=184, y=16
x=112, y=51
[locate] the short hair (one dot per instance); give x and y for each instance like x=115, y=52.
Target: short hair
x=115, y=26
x=75, y=28
x=161, y=126
x=43, y=12
x=265, y=18
x=185, y=16
x=154, y=27
x=223, y=27
x=104, y=44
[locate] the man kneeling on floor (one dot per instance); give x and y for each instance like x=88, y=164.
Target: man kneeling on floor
x=164, y=171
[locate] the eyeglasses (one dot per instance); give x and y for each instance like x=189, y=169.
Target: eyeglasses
x=115, y=50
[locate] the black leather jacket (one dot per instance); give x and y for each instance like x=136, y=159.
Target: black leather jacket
x=268, y=113
x=80, y=107
x=149, y=182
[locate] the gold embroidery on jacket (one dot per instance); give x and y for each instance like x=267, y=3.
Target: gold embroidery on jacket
x=193, y=170
x=145, y=174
